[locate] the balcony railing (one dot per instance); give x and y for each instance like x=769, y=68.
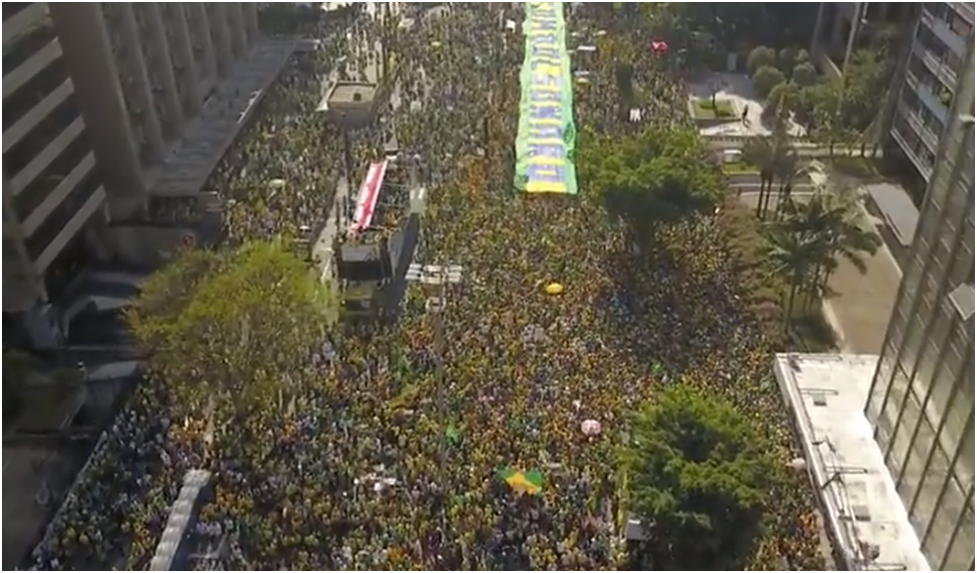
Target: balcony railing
x=929, y=99
x=936, y=65
x=930, y=139
x=942, y=31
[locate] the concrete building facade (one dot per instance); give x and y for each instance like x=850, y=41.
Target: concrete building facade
x=95, y=96
x=939, y=35
x=939, y=55
x=890, y=438
x=921, y=402
x=52, y=184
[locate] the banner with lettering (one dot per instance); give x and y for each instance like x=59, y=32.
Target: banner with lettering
x=546, y=137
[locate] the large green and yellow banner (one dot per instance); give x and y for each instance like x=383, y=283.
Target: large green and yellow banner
x=546, y=137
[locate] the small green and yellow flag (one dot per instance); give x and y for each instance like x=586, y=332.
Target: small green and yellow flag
x=529, y=482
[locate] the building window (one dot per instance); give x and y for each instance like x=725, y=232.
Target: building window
x=25, y=150
x=27, y=96
x=936, y=9
x=11, y=9
x=960, y=25
x=17, y=52
x=38, y=190
x=61, y=214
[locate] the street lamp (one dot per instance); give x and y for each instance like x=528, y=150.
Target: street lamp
x=438, y=278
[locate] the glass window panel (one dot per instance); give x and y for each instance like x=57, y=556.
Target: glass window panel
x=929, y=480
x=926, y=366
x=963, y=469
x=959, y=424
x=914, y=339
x=928, y=222
x=943, y=388
x=880, y=385
x=960, y=557
x=897, y=326
x=944, y=522
x=931, y=289
x=901, y=434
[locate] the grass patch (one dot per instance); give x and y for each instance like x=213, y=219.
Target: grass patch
x=859, y=167
x=703, y=108
x=739, y=167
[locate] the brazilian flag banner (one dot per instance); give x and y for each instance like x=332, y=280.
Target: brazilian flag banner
x=546, y=138
x=529, y=482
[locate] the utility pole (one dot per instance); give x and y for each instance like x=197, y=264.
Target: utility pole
x=440, y=277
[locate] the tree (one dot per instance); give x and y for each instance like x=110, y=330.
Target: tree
x=766, y=153
x=760, y=57
x=766, y=78
x=787, y=59
x=833, y=220
x=793, y=255
x=735, y=24
x=780, y=104
x=659, y=174
x=866, y=81
x=804, y=75
x=789, y=168
x=697, y=473
x=828, y=116
x=232, y=330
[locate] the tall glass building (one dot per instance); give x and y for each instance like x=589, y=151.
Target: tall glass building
x=922, y=398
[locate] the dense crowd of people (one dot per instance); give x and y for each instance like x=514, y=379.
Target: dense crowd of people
x=393, y=462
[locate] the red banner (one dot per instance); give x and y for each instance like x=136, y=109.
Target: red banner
x=366, y=203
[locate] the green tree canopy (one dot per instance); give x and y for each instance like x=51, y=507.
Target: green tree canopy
x=696, y=472
x=804, y=74
x=810, y=236
x=751, y=23
x=659, y=174
x=766, y=79
x=233, y=328
x=760, y=57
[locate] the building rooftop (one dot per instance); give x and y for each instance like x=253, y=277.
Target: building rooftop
x=896, y=208
x=864, y=513
x=348, y=93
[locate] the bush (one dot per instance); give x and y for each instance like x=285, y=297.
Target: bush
x=765, y=79
x=760, y=57
x=786, y=59
x=804, y=75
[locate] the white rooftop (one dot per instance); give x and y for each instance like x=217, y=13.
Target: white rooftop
x=827, y=395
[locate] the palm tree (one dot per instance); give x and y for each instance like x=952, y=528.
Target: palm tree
x=793, y=255
x=790, y=168
x=761, y=152
x=769, y=154
x=833, y=221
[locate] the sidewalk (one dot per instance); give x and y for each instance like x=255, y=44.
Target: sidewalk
x=860, y=306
